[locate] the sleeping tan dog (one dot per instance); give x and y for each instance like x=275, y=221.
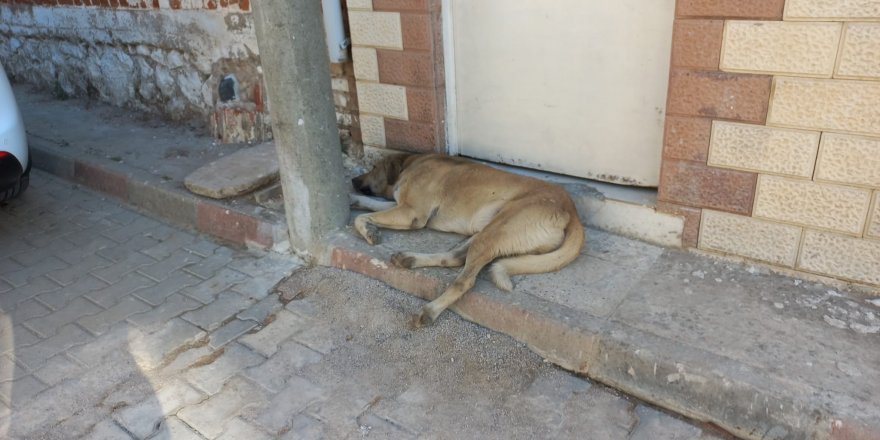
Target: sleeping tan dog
x=523, y=225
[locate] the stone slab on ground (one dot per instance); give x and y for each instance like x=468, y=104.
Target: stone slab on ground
x=236, y=174
x=760, y=354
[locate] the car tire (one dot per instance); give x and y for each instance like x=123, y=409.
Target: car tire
x=19, y=187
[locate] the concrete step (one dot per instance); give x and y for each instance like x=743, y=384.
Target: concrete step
x=761, y=355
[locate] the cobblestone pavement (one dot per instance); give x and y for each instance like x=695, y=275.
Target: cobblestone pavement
x=115, y=326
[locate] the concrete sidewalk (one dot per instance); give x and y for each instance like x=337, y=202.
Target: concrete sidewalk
x=759, y=354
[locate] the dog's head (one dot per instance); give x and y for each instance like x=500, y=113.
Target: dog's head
x=381, y=179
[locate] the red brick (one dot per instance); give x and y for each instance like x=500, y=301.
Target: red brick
x=759, y=9
x=100, y=179
x=405, y=68
x=244, y=5
x=700, y=186
x=691, y=232
x=419, y=137
x=847, y=430
x=687, y=138
x=416, y=29
x=401, y=5
x=421, y=104
x=229, y=225
x=697, y=43
x=722, y=95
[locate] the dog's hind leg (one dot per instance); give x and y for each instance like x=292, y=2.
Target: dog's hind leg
x=452, y=258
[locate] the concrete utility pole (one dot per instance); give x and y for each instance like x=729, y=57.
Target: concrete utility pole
x=293, y=54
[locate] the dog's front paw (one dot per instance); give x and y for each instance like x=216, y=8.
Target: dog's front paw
x=422, y=319
x=369, y=231
x=401, y=259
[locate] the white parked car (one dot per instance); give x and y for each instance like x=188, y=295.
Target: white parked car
x=15, y=163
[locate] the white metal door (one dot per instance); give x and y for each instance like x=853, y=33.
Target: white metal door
x=570, y=86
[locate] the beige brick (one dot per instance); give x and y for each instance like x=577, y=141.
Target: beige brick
x=849, y=159
x=763, y=149
x=873, y=229
x=826, y=104
x=841, y=256
x=360, y=4
x=832, y=9
x=834, y=207
x=377, y=29
x=860, y=53
x=366, y=65
x=778, y=47
x=373, y=130
x=762, y=240
x=382, y=99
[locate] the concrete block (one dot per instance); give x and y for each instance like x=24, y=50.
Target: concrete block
x=151, y=350
x=238, y=429
x=101, y=322
x=373, y=130
x=229, y=332
x=236, y=174
x=141, y=419
x=214, y=314
x=838, y=10
x=841, y=256
x=267, y=340
x=824, y=104
x=382, y=99
x=873, y=230
x=211, y=374
x=298, y=394
x=209, y=416
x=763, y=149
x=47, y=326
x=173, y=429
x=378, y=29
x=360, y=4
x=761, y=240
x=853, y=160
x=776, y=47
x=33, y=356
x=366, y=64
x=859, y=57
x=834, y=207
x=206, y=290
x=290, y=357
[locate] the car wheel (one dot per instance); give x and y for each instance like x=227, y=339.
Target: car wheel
x=19, y=187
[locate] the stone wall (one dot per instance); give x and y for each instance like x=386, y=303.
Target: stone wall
x=772, y=147
x=162, y=56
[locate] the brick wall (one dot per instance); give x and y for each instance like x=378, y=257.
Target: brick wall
x=160, y=56
x=398, y=65
x=772, y=145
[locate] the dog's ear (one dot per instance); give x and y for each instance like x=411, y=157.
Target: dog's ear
x=393, y=167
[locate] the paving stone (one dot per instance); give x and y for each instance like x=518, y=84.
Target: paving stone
x=116, y=339
x=79, y=252
x=17, y=392
x=238, y=429
x=216, y=313
x=48, y=325
x=5, y=287
x=151, y=350
x=165, y=248
x=145, y=417
x=58, y=299
x=303, y=307
x=209, y=416
x=137, y=227
x=58, y=369
x=34, y=356
x=186, y=359
x=319, y=337
x=206, y=248
x=110, y=295
x=20, y=277
x=158, y=293
x=274, y=373
x=9, y=300
x=372, y=425
x=267, y=340
x=174, y=262
x=173, y=429
x=261, y=286
x=36, y=255
x=229, y=332
x=210, y=377
x=294, y=398
x=101, y=322
x=654, y=424
x=10, y=370
x=78, y=269
x=213, y=262
x=132, y=262
x=14, y=246
x=263, y=309
x=107, y=430
x=154, y=319
x=22, y=337
x=26, y=310
x=223, y=280
x=120, y=252
x=303, y=427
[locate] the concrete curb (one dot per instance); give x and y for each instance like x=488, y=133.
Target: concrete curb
x=242, y=225
x=739, y=398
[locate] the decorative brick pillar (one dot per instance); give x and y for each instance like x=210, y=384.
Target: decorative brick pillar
x=398, y=67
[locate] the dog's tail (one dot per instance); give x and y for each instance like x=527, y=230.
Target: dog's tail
x=501, y=270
